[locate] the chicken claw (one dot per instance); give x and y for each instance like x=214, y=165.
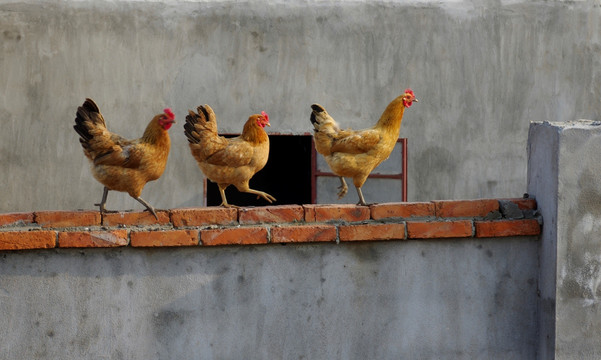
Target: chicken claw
x=102, y=207
x=148, y=207
x=343, y=188
x=361, y=198
x=262, y=194
x=103, y=201
x=226, y=205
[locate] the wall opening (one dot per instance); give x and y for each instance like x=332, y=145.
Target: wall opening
x=296, y=174
x=287, y=175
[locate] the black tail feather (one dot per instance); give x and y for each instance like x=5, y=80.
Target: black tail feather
x=316, y=109
x=204, y=112
x=83, y=116
x=313, y=119
x=189, y=130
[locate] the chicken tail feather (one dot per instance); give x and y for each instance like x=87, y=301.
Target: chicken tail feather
x=191, y=134
x=317, y=110
x=322, y=121
x=202, y=121
x=88, y=115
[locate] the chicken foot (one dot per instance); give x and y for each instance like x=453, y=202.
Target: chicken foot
x=103, y=201
x=105, y=195
x=148, y=207
x=262, y=194
x=361, y=199
x=343, y=188
x=223, y=199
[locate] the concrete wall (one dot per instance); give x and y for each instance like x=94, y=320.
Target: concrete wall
x=465, y=299
x=481, y=69
x=564, y=173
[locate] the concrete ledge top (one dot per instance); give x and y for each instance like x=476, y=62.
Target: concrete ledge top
x=580, y=123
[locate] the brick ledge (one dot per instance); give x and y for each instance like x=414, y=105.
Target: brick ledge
x=210, y=226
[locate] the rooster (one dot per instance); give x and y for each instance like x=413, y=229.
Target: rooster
x=231, y=161
x=355, y=153
x=121, y=164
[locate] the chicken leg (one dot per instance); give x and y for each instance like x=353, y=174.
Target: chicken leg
x=103, y=201
x=245, y=189
x=222, y=193
x=361, y=199
x=148, y=207
x=343, y=188
x=105, y=195
x=262, y=194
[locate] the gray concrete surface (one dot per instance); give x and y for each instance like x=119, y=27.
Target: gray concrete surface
x=465, y=299
x=564, y=172
x=543, y=165
x=481, y=69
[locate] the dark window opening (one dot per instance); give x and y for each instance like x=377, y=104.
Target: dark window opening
x=287, y=175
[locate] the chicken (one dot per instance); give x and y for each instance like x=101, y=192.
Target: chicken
x=231, y=161
x=355, y=153
x=120, y=164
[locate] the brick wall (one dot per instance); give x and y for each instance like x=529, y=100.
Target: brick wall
x=271, y=224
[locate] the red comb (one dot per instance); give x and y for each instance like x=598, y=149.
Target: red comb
x=264, y=114
x=169, y=113
x=409, y=91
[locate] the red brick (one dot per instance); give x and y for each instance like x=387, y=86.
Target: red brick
x=500, y=228
x=271, y=214
x=134, y=218
x=303, y=233
x=59, y=219
x=22, y=218
x=163, y=238
x=466, y=208
x=439, y=229
x=21, y=240
x=402, y=210
x=88, y=239
x=343, y=212
x=234, y=236
x=524, y=204
x=309, y=213
x=204, y=216
x=371, y=232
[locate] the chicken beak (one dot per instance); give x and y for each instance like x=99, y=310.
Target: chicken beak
x=415, y=100
x=268, y=124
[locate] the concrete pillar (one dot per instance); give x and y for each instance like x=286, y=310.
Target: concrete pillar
x=564, y=174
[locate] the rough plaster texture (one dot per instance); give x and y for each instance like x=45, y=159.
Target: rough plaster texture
x=450, y=299
x=564, y=173
x=481, y=69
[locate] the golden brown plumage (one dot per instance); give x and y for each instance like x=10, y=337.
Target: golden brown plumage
x=231, y=161
x=355, y=153
x=121, y=164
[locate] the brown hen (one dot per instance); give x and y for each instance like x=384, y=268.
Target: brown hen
x=121, y=164
x=355, y=153
x=231, y=161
